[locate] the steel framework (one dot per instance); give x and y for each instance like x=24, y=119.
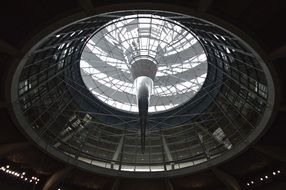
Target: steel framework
x=54, y=106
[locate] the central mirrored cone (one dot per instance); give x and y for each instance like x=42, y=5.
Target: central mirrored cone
x=143, y=72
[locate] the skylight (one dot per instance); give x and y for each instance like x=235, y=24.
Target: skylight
x=108, y=55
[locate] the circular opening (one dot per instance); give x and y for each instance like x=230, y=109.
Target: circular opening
x=108, y=55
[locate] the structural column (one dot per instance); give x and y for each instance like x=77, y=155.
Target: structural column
x=56, y=178
x=229, y=181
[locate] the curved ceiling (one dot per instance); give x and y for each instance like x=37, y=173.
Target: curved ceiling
x=229, y=110
x=250, y=16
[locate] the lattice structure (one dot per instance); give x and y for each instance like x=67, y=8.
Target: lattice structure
x=60, y=108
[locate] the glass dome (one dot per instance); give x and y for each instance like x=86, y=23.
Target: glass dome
x=108, y=55
x=72, y=94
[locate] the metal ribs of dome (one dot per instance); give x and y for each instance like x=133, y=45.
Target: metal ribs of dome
x=58, y=112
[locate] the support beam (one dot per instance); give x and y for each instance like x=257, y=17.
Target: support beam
x=11, y=147
x=229, y=181
x=201, y=139
x=166, y=149
x=276, y=152
x=169, y=185
x=86, y=5
x=7, y=48
x=278, y=53
x=204, y=5
x=118, y=149
x=56, y=178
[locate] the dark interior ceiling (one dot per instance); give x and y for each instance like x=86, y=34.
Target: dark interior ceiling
x=262, y=20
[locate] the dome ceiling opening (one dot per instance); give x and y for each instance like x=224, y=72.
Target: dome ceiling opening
x=142, y=94
x=107, y=59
